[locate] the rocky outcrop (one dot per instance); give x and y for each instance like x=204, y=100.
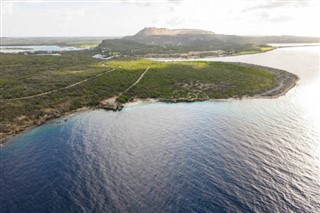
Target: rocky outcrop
x=47, y=115
x=111, y=104
x=115, y=106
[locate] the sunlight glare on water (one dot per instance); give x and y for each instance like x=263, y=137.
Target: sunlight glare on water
x=250, y=155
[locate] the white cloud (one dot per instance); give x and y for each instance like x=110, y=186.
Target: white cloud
x=122, y=18
x=7, y=8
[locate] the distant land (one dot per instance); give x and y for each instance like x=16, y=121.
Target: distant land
x=35, y=87
x=61, y=41
x=166, y=43
x=191, y=43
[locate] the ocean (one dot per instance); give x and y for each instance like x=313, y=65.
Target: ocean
x=250, y=155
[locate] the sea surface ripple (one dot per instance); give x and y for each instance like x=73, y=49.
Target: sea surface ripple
x=247, y=155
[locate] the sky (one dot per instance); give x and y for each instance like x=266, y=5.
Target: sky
x=36, y=18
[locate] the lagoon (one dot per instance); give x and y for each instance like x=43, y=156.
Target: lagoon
x=34, y=48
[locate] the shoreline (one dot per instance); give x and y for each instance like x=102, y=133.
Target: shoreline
x=23, y=130
x=284, y=82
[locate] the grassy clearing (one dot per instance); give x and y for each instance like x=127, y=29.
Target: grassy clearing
x=261, y=50
x=266, y=48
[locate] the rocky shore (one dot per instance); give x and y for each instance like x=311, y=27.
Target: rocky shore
x=284, y=81
x=111, y=104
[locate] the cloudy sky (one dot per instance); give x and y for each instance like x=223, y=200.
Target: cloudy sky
x=126, y=17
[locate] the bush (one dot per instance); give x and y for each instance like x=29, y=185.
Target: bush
x=122, y=99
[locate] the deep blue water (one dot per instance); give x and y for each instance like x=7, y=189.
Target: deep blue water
x=227, y=156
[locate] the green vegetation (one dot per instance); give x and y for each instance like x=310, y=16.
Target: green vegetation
x=35, y=88
x=39, y=73
x=27, y=75
x=259, y=50
x=266, y=48
x=132, y=48
x=30, y=75
x=122, y=99
x=200, y=80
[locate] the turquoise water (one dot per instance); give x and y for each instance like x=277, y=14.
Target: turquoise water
x=249, y=155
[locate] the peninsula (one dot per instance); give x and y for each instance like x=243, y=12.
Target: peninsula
x=35, y=88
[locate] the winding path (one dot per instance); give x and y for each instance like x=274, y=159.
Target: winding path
x=141, y=76
x=57, y=90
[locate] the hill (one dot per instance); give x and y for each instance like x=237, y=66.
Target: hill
x=153, y=31
x=175, y=37
x=163, y=42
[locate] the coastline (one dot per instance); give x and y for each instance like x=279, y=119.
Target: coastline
x=284, y=80
x=40, y=122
